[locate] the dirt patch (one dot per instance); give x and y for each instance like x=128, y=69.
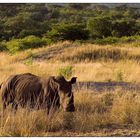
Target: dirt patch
x=51, y=53
x=107, y=86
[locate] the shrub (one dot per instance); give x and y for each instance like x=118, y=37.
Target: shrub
x=113, y=40
x=66, y=71
x=27, y=32
x=99, y=27
x=108, y=40
x=3, y=46
x=29, y=61
x=124, y=28
x=13, y=45
x=68, y=32
x=28, y=42
x=32, y=42
x=125, y=39
x=48, y=41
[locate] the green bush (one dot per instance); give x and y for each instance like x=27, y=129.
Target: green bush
x=66, y=72
x=48, y=41
x=99, y=27
x=28, y=42
x=31, y=42
x=68, y=32
x=21, y=20
x=108, y=40
x=29, y=61
x=129, y=39
x=113, y=40
x=124, y=27
x=3, y=46
x=13, y=45
x=27, y=32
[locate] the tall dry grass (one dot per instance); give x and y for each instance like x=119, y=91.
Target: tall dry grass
x=104, y=67
x=96, y=71
x=75, y=52
x=93, y=112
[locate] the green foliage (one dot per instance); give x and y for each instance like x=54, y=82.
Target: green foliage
x=3, y=46
x=24, y=26
x=124, y=28
x=15, y=45
x=28, y=32
x=55, y=13
x=29, y=61
x=108, y=40
x=53, y=35
x=31, y=42
x=66, y=71
x=78, y=6
x=68, y=32
x=125, y=39
x=99, y=27
x=48, y=41
x=113, y=40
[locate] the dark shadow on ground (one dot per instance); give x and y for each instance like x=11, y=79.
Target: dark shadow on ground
x=106, y=86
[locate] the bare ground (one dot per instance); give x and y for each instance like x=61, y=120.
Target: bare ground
x=107, y=86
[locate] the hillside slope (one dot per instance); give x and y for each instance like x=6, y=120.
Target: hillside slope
x=89, y=62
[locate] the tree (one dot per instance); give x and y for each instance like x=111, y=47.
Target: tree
x=9, y=9
x=124, y=28
x=79, y=6
x=99, y=27
x=68, y=32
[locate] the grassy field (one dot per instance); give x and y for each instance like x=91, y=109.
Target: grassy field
x=115, y=113
x=106, y=114
x=90, y=62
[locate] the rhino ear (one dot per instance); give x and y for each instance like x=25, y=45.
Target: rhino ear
x=54, y=83
x=73, y=80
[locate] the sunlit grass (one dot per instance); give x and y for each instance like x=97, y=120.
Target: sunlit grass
x=94, y=112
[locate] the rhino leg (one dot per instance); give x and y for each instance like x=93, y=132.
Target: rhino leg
x=3, y=108
x=14, y=107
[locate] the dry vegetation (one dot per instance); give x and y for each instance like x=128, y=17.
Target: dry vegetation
x=90, y=62
x=115, y=113
x=106, y=114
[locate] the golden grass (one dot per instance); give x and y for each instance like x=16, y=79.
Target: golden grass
x=86, y=69
x=75, y=52
x=96, y=71
x=103, y=114
x=94, y=113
